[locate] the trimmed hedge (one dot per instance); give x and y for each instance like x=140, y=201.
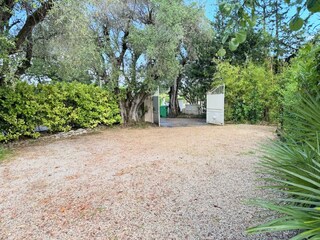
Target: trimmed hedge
x=60, y=107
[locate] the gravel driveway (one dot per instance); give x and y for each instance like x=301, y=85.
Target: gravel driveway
x=153, y=183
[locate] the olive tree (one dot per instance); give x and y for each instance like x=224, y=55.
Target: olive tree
x=65, y=46
x=143, y=43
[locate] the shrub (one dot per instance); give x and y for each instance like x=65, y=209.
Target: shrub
x=252, y=92
x=18, y=111
x=59, y=107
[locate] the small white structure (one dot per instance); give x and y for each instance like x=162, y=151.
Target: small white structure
x=192, y=109
x=215, y=106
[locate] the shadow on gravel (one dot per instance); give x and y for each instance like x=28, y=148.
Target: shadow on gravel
x=182, y=122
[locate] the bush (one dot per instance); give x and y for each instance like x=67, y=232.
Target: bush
x=59, y=107
x=252, y=92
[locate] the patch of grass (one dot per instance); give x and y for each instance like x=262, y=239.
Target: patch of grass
x=3, y=153
x=251, y=152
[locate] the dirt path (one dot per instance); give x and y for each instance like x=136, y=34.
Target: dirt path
x=154, y=183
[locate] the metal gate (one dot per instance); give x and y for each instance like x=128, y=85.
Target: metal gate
x=152, y=105
x=156, y=110
x=215, y=105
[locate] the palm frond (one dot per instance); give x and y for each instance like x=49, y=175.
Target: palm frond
x=292, y=168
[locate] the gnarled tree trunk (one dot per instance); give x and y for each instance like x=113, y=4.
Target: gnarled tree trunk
x=130, y=108
x=173, y=94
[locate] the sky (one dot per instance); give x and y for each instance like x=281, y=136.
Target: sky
x=209, y=5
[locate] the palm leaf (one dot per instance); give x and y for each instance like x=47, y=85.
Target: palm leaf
x=292, y=168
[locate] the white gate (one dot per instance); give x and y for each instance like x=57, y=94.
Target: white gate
x=215, y=106
x=156, y=109
x=152, y=105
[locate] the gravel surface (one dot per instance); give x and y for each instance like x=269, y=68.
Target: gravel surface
x=182, y=122
x=153, y=183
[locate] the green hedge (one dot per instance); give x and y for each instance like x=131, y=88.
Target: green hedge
x=60, y=107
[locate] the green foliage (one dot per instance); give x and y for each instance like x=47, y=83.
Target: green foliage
x=302, y=124
x=3, y=153
x=252, y=92
x=293, y=166
x=5, y=46
x=273, y=17
x=293, y=169
x=300, y=77
x=64, y=45
x=59, y=107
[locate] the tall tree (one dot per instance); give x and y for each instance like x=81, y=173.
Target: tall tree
x=196, y=37
x=144, y=42
x=280, y=12
x=198, y=75
x=274, y=16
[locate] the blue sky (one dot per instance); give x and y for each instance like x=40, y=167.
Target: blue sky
x=210, y=6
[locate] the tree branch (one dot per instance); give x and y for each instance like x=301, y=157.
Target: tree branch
x=31, y=22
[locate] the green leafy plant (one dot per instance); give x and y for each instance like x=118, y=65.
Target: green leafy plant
x=293, y=169
x=252, y=92
x=59, y=107
x=301, y=76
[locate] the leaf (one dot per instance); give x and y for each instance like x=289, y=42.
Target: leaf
x=313, y=6
x=233, y=44
x=241, y=36
x=227, y=9
x=243, y=23
x=221, y=7
x=222, y=52
x=225, y=38
x=296, y=23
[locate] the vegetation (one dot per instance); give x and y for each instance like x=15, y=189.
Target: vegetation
x=267, y=53
x=59, y=107
x=292, y=164
x=252, y=92
x=293, y=169
x=2, y=154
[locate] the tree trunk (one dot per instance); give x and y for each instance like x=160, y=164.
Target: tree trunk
x=173, y=94
x=26, y=62
x=130, y=108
